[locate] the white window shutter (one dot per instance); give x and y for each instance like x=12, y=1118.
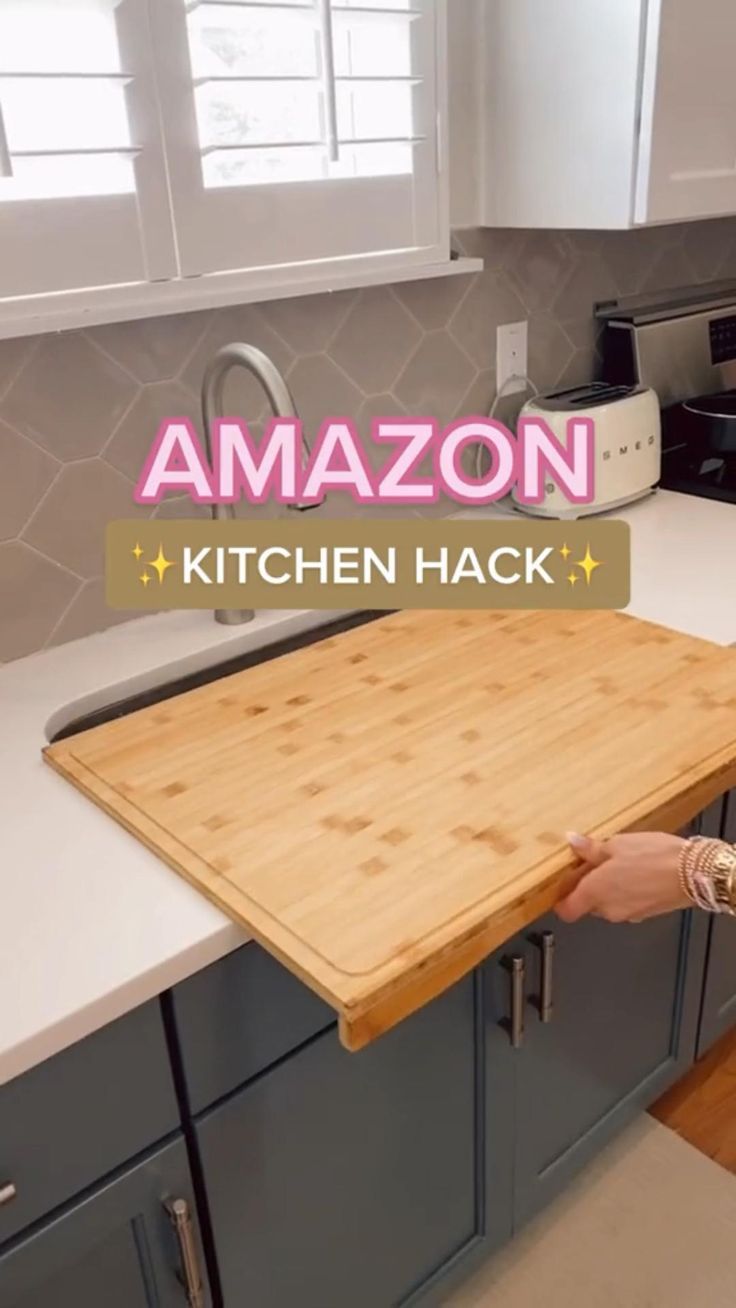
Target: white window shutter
x=301, y=130
x=83, y=194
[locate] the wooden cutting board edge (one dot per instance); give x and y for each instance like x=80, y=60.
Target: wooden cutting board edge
x=359, y=1028
x=366, y=1010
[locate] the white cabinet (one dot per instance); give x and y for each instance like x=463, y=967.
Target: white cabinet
x=608, y=113
x=687, y=158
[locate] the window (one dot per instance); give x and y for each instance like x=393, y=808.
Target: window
x=84, y=112
x=264, y=102
x=164, y=140
x=299, y=130
x=76, y=208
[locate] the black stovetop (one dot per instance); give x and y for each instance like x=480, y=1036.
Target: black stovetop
x=685, y=469
x=712, y=485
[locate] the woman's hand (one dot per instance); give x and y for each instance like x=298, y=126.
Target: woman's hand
x=626, y=879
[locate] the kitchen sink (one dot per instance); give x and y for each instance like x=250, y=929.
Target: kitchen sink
x=266, y=654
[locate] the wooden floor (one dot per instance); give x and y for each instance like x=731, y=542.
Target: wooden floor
x=702, y=1107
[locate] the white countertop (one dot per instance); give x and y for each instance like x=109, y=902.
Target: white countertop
x=92, y=923
x=683, y=551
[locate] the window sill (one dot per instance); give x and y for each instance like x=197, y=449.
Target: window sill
x=90, y=308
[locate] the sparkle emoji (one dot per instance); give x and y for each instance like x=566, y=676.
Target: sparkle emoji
x=161, y=564
x=588, y=565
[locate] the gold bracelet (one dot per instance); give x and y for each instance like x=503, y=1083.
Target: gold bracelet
x=687, y=866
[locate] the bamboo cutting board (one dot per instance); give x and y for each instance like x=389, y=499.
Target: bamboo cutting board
x=382, y=809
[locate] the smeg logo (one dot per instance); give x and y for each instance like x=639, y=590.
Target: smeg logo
x=624, y=450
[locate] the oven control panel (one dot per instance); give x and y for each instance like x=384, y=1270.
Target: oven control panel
x=722, y=339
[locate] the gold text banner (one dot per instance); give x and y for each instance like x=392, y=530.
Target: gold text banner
x=305, y=562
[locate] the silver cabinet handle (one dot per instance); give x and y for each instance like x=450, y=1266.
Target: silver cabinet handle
x=516, y=968
x=546, y=945
x=191, y=1276
x=7, y=1193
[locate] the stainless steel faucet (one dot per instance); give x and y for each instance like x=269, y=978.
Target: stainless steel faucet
x=213, y=406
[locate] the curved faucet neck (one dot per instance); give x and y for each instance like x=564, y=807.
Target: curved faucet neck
x=261, y=367
x=213, y=407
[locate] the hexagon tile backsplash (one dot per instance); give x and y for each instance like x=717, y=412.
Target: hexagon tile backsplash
x=78, y=410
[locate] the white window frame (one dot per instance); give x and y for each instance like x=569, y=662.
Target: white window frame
x=161, y=289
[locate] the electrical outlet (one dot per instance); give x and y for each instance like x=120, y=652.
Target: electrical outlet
x=511, y=356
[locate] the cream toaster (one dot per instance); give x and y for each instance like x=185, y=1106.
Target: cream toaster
x=627, y=441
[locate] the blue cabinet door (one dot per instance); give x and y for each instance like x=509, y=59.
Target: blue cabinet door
x=718, y=1010
x=115, y=1249
x=341, y=1179
x=622, y=1028
x=719, y=994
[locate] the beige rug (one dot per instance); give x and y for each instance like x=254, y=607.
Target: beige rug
x=651, y=1224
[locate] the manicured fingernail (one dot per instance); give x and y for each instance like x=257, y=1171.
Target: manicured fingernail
x=575, y=839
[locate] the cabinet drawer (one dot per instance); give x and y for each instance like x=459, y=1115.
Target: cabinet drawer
x=114, y=1248
x=239, y=1016
x=71, y=1120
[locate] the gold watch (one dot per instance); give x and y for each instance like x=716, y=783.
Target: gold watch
x=723, y=879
